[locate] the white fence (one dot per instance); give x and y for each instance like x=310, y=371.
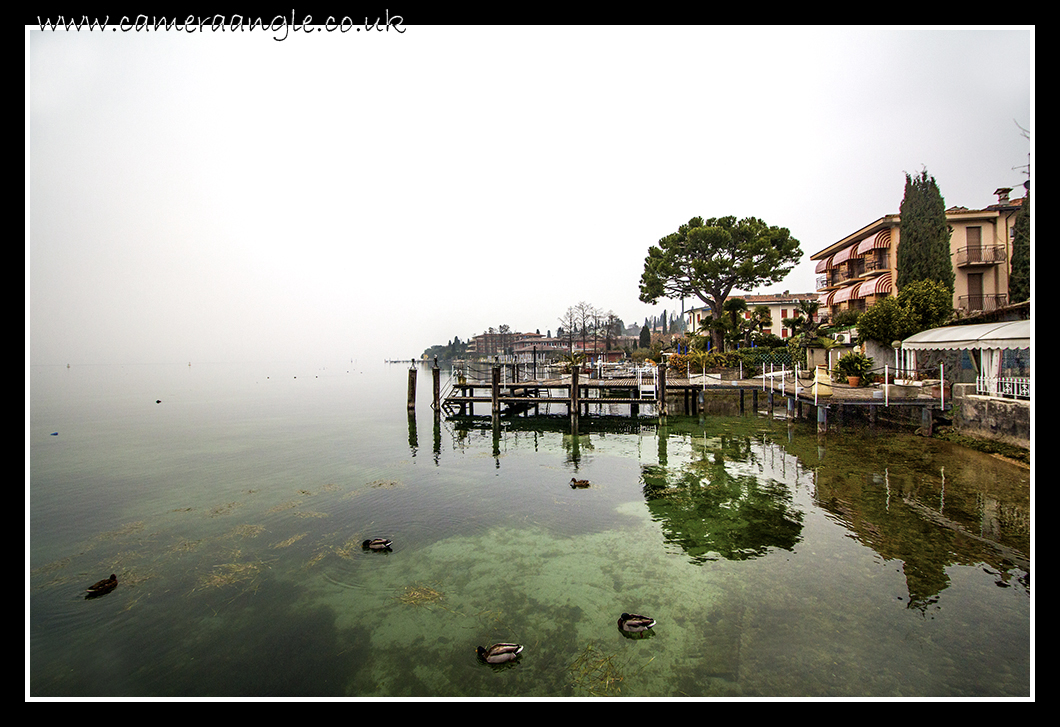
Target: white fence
x=1013, y=387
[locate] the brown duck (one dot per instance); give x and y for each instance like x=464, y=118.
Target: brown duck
x=104, y=586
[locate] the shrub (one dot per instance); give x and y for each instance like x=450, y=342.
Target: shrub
x=854, y=363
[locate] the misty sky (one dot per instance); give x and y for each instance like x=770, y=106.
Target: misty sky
x=230, y=197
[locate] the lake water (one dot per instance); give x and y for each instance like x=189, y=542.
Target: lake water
x=231, y=501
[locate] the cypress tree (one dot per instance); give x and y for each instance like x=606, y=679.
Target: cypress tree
x=924, y=246
x=1019, y=285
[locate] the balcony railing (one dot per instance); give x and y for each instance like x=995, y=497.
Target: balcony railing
x=991, y=255
x=981, y=303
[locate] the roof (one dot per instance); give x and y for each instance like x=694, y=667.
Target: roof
x=1007, y=334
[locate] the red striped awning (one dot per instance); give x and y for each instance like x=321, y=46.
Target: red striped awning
x=844, y=294
x=825, y=299
x=875, y=286
x=881, y=239
x=823, y=265
x=843, y=255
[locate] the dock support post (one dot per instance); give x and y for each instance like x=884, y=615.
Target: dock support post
x=496, y=390
x=927, y=421
x=412, y=387
x=791, y=408
x=741, y=403
x=437, y=374
x=822, y=420
x=769, y=399
x=575, y=405
x=754, y=400
x=662, y=391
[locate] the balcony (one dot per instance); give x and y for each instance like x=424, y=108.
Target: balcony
x=981, y=303
x=979, y=255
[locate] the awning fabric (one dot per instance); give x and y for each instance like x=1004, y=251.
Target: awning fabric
x=842, y=256
x=844, y=294
x=1010, y=334
x=823, y=265
x=875, y=286
x=880, y=240
x=825, y=299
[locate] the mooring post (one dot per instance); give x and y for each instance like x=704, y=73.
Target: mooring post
x=437, y=374
x=495, y=387
x=662, y=390
x=574, y=404
x=791, y=408
x=412, y=386
x=822, y=420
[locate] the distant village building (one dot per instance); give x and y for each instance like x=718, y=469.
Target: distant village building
x=499, y=343
x=781, y=306
x=859, y=270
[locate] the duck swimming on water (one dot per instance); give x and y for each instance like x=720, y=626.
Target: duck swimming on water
x=377, y=544
x=635, y=623
x=104, y=586
x=500, y=653
x=579, y=483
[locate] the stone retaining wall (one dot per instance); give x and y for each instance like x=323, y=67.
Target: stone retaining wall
x=989, y=417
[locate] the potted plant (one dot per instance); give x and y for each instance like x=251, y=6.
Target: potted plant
x=853, y=367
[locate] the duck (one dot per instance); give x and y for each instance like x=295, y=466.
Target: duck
x=500, y=653
x=579, y=483
x=634, y=623
x=104, y=586
x=377, y=544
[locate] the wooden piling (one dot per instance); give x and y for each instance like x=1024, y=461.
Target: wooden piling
x=496, y=391
x=661, y=394
x=437, y=374
x=574, y=403
x=822, y=420
x=412, y=388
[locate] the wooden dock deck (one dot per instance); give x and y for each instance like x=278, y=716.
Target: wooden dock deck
x=685, y=395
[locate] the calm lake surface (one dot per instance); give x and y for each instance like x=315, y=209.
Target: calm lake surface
x=231, y=502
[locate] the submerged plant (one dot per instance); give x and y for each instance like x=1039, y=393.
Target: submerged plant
x=597, y=674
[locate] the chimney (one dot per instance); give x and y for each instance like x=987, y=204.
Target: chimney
x=1002, y=195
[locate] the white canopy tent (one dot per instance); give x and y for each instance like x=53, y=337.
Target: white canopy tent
x=988, y=339
x=1009, y=334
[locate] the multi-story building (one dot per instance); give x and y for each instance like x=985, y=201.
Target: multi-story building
x=859, y=270
x=781, y=306
x=498, y=343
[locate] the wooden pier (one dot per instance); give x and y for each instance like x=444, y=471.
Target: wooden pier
x=577, y=395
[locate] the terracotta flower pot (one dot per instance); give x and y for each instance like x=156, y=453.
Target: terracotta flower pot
x=854, y=381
